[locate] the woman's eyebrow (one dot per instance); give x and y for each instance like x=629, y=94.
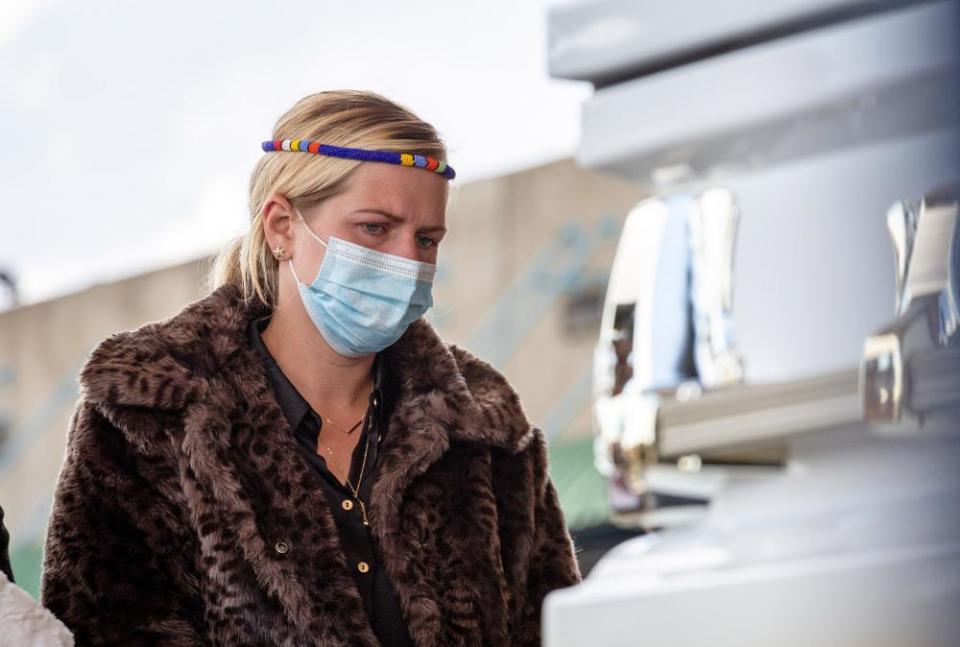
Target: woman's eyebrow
x=396, y=218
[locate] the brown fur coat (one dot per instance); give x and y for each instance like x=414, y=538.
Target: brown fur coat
x=182, y=481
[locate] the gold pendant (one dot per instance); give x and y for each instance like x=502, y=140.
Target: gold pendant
x=363, y=511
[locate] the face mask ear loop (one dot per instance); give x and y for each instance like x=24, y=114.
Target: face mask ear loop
x=295, y=277
x=309, y=231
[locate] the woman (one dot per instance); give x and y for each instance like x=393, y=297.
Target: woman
x=294, y=463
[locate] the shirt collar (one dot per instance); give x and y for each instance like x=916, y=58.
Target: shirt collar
x=294, y=406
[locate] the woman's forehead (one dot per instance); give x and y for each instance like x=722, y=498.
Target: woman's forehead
x=399, y=193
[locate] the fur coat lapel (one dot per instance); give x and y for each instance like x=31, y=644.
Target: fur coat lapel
x=434, y=508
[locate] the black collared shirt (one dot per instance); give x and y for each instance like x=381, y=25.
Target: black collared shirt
x=378, y=594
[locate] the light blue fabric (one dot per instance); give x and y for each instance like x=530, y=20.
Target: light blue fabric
x=363, y=300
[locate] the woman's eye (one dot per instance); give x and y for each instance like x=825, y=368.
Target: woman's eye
x=375, y=229
x=426, y=241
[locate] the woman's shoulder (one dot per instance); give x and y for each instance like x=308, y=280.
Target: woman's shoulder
x=479, y=373
x=500, y=404
x=133, y=380
x=162, y=364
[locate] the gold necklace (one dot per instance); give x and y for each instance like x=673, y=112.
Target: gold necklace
x=336, y=426
x=350, y=430
x=363, y=465
x=327, y=447
x=356, y=490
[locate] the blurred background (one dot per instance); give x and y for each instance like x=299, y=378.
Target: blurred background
x=713, y=245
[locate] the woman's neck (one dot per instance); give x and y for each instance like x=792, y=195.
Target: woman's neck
x=334, y=385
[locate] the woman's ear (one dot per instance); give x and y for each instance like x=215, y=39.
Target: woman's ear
x=278, y=216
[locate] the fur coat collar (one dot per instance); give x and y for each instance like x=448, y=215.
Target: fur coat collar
x=221, y=534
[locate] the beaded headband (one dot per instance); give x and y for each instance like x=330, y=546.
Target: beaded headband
x=362, y=154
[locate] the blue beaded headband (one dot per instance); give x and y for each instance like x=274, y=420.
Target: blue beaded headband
x=362, y=154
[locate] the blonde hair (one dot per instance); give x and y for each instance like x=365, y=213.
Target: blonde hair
x=356, y=118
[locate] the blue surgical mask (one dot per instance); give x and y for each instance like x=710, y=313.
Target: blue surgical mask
x=363, y=300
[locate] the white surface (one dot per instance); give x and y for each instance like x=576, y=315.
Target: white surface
x=590, y=40
x=24, y=623
x=814, y=270
x=888, y=599
x=817, y=135
x=856, y=544
x=851, y=84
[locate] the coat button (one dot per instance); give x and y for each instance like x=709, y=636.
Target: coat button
x=347, y=504
x=363, y=567
x=281, y=547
